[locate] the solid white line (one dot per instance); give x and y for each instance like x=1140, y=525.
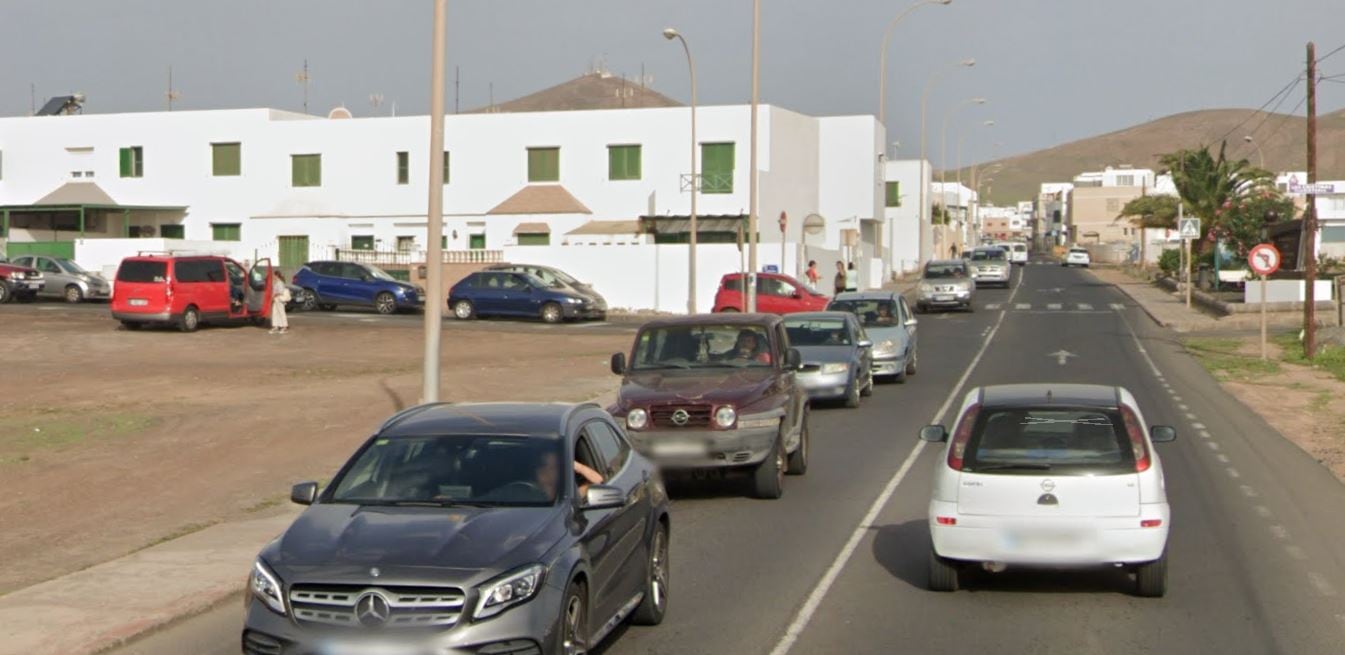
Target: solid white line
x=805, y=613
x=1139, y=346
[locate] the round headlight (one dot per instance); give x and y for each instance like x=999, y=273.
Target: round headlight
x=636, y=419
x=725, y=416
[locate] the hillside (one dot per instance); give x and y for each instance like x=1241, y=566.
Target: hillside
x=1282, y=139
x=589, y=91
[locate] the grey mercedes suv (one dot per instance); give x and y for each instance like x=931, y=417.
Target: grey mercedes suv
x=489, y=529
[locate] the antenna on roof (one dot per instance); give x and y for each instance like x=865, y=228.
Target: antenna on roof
x=302, y=78
x=32, y=99
x=171, y=94
x=375, y=101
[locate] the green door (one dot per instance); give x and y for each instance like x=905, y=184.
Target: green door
x=293, y=252
x=65, y=249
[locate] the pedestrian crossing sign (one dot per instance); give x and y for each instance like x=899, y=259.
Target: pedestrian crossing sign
x=1189, y=228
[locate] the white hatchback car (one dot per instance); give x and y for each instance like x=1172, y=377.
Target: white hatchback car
x=1049, y=476
x=1077, y=257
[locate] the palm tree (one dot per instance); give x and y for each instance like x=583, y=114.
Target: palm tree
x=1209, y=185
x=1147, y=212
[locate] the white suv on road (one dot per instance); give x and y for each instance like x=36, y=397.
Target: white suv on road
x=1077, y=257
x=1049, y=476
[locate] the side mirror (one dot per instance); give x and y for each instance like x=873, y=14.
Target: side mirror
x=796, y=295
x=603, y=496
x=864, y=343
x=304, y=493
x=934, y=434
x=793, y=358
x=910, y=322
x=1162, y=434
x=619, y=363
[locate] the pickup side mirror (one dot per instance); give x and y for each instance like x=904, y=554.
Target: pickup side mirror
x=619, y=363
x=934, y=433
x=603, y=496
x=793, y=358
x=304, y=493
x=1162, y=434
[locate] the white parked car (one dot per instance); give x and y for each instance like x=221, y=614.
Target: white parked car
x=1077, y=257
x=1049, y=476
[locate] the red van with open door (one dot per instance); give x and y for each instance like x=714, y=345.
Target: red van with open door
x=185, y=291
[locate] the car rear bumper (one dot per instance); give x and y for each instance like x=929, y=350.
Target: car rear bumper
x=977, y=538
x=889, y=365
x=142, y=317
x=991, y=278
x=943, y=300
x=704, y=449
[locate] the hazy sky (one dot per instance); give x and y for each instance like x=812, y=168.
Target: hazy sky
x=1054, y=70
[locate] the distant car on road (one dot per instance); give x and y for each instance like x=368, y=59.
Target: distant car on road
x=836, y=356
x=21, y=283
x=66, y=279
x=186, y=291
x=990, y=265
x=945, y=283
x=333, y=283
x=502, y=293
x=1053, y=476
x=887, y=319
x=559, y=279
x=716, y=393
x=1017, y=251
x=776, y=294
x=1077, y=257
x=473, y=528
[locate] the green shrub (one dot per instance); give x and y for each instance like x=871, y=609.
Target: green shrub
x=1170, y=262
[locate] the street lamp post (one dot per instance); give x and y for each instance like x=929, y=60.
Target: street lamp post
x=924, y=107
x=671, y=34
x=1261, y=156
x=882, y=55
x=752, y=161
x=434, y=215
x=943, y=150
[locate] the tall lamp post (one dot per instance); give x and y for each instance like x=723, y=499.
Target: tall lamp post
x=670, y=34
x=434, y=215
x=924, y=110
x=943, y=149
x=962, y=137
x=1261, y=156
x=882, y=55
x=752, y=161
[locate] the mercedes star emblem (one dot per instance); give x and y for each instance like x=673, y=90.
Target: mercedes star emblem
x=680, y=417
x=372, y=609
x=1048, y=485
x=374, y=572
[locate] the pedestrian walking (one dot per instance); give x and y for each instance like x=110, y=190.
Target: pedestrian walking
x=839, y=283
x=851, y=278
x=280, y=294
x=814, y=277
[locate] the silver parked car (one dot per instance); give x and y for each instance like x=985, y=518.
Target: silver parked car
x=66, y=279
x=990, y=265
x=835, y=355
x=887, y=320
x=947, y=284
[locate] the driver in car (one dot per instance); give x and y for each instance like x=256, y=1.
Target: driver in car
x=748, y=349
x=548, y=476
x=884, y=314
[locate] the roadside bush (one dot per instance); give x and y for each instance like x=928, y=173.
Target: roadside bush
x=1170, y=262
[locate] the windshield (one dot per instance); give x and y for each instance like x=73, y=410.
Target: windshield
x=989, y=255
x=703, y=346
x=945, y=271
x=1055, y=439
x=559, y=275
x=70, y=266
x=871, y=313
x=817, y=332
x=378, y=273
x=448, y=470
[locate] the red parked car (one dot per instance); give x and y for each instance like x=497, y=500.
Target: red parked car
x=185, y=291
x=19, y=282
x=776, y=294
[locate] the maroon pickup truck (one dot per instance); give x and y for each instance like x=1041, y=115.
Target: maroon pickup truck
x=19, y=282
x=716, y=393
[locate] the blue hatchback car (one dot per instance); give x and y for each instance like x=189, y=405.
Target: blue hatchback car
x=329, y=284
x=504, y=293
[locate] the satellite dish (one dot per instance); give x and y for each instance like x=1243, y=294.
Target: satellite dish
x=339, y=112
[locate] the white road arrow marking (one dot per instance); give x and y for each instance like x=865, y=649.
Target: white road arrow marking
x=1062, y=356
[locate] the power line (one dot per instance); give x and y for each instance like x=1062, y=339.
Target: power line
x=1287, y=88
x=1275, y=108
x=1285, y=119
x=1325, y=56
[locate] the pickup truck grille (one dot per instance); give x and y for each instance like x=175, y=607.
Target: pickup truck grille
x=399, y=607
x=697, y=416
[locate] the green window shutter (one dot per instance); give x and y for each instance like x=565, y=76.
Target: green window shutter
x=306, y=170
x=894, y=194
x=403, y=168
x=623, y=162
x=226, y=159
x=717, y=168
x=362, y=242
x=126, y=164
x=447, y=168
x=226, y=231
x=543, y=164
x=476, y=242
x=534, y=239
x=172, y=232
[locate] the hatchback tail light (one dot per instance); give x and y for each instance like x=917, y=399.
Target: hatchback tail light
x=946, y=520
x=1151, y=523
x=958, y=449
x=1132, y=425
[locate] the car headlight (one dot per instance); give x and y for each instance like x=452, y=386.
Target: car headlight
x=512, y=589
x=575, y=301
x=266, y=587
x=926, y=288
x=963, y=291
x=885, y=347
x=836, y=367
x=725, y=416
x=637, y=419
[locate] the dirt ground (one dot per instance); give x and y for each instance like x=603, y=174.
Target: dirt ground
x=113, y=440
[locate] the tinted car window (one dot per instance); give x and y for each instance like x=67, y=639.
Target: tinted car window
x=987, y=255
x=444, y=469
x=140, y=270
x=351, y=271
x=733, y=284
x=702, y=346
x=610, y=446
x=945, y=271
x=1060, y=440
x=198, y=270
x=818, y=332
x=775, y=287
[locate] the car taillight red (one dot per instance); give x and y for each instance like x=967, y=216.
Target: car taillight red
x=1132, y=425
x=958, y=449
x=1151, y=523
x=946, y=520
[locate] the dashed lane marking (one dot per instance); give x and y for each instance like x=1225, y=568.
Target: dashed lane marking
x=1223, y=459
x=1054, y=305
x=1085, y=307
x=1320, y=584
x=1280, y=532
x=1204, y=434
x=1262, y=511
x=1023, y=305
x=1181, y=406
x=1198, y=426
x=1214, y=445
x=1248, y=491
x=1117, y=306
x=994, y=307
x=1176, y=397
x=1233, y=473
x=1191, y=417
x=1296, y=552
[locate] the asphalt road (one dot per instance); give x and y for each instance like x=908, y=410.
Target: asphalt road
x=838, y=564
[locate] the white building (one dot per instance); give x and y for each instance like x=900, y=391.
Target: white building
x=567, y=188
x=903, y=233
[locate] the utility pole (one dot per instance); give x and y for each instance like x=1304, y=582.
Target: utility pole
x=457, y=88
x=752, y=165
x=1310, y=218
x=302, y=79
x=32, y=99
x=434, y=251
x=171, y=94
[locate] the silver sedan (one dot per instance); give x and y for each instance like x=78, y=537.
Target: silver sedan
x=836, y=355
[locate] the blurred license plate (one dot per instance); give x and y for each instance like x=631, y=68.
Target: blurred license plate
x=139, y=302
x=942, y=297
x=368, y=649
x=1043, y=539
x=678, y=448
x=34, y=285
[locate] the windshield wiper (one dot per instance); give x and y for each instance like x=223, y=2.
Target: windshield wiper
x=1010, y=467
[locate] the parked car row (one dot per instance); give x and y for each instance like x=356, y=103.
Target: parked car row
x=21, y=283
x=65, y=279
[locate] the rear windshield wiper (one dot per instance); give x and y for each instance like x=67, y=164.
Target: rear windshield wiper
x=1009, y=467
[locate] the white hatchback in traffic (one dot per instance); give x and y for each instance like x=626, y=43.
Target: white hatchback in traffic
x=1077, y=257
x=1049, y=476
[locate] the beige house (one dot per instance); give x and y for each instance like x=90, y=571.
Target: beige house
x=1093, y=211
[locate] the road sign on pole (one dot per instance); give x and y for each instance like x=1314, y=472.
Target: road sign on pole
x=1189, y=228
x=1264, y=260
x=1316, y=189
